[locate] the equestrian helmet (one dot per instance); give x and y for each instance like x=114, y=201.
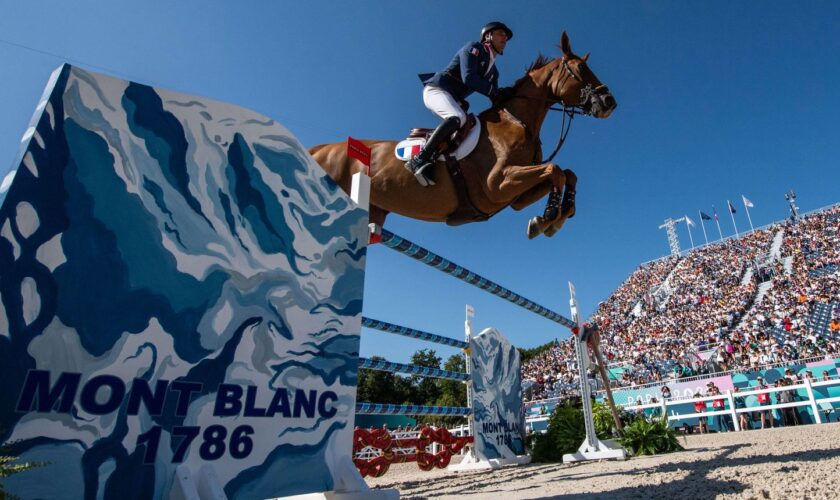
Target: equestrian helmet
x=495, y=25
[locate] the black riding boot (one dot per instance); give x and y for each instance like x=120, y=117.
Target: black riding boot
x=423, y=165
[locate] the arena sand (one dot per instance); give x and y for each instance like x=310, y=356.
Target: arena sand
x=784, y=463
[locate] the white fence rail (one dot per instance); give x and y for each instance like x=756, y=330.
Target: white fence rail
x=816, y=404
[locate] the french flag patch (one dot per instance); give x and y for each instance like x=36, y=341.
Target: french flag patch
x=408, y=148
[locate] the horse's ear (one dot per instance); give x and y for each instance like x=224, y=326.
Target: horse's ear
x=585, y=58
x=564, y=45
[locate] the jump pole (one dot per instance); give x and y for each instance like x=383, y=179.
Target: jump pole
x=592, y=448
x=416, y=252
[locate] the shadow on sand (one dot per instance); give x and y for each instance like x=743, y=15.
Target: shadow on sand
x=697, y=482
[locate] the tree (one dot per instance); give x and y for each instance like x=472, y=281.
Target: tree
x=453, y=392
x=426, y=389
x=376, y=386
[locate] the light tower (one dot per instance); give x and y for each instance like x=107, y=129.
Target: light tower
x=670, y=226
x=791, y=199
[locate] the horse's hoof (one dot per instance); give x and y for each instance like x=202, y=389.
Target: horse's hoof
x=533, y=228
x=550, y=231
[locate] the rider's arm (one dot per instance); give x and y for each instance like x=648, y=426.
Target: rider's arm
x=471, y=71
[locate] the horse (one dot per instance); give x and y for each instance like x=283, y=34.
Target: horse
x=505, y=167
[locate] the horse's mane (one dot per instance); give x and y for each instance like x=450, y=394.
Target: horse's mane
x=538, y=63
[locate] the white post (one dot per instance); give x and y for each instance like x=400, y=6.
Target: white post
x=703, y=225
x=732, y=214
x=735, y=422
x=469, y=314
x=360, y=190
x=747, y=209
x=810, y=390
x=592, y=447
x=689, y=223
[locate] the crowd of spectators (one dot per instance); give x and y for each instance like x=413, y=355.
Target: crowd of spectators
x=698, y=313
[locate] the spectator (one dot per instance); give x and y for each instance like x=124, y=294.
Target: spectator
x=723, y=422
x=700, y=407
x=743, y=417
x=696, y=314
x=789, y=416
x=764, y=400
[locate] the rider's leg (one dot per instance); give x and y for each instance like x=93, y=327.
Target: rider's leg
x=445, y=106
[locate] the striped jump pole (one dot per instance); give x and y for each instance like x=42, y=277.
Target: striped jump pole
x=405, y=331
x=391, y=409
x=431, y=259
x=392, y=367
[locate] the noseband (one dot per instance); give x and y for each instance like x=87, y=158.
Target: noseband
x=587, y=94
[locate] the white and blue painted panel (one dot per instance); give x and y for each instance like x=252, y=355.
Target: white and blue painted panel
x=496, y=396
x=180, y=283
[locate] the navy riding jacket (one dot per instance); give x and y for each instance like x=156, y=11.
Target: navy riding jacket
x=467, y=73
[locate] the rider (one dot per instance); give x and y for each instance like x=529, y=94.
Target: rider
x=472, y=69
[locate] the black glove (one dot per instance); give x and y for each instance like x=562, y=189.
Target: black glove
x=503, y=94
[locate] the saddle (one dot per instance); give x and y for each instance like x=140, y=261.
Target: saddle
x=450, y=152
x=424, y=133
x=460, y=145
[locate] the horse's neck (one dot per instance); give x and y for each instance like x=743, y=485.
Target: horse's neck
x=531, y=108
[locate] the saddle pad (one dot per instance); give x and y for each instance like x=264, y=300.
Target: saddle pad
x=407, y=148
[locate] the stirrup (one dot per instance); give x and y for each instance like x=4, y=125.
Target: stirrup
x=419, y=172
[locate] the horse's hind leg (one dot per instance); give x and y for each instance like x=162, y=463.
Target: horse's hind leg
x=378, y=215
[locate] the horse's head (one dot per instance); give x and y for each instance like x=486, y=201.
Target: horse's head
x=570, y=81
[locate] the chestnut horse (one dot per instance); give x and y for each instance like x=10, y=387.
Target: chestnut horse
x=503, y=169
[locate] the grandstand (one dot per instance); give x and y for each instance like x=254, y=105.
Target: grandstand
x=767, y=298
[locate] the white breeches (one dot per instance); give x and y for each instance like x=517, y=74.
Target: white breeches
x=441, y=103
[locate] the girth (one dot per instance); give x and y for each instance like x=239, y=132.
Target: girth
x=466, y=210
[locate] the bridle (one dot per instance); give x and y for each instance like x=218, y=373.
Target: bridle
x=587, y=96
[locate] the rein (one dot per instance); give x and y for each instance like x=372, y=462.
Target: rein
x=569, y=112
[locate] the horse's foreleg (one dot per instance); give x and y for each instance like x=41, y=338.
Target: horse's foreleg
x=567, y=206
x=531, y=196
x=511, y=182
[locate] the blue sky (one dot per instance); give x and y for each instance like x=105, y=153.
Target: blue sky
x=716, y=99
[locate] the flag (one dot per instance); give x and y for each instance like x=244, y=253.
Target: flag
x=747, y=203
x=408, y=151
x=357, y=149
x=689, y=221
x=731, y=208
x=715, y=212
x=705, y=216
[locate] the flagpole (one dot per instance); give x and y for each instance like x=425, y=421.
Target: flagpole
x=689, y=232
x=747, y=209
x=704, y=226
x=717, y=221
x=732, y=214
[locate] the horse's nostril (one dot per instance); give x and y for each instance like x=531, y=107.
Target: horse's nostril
x=610, y=101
